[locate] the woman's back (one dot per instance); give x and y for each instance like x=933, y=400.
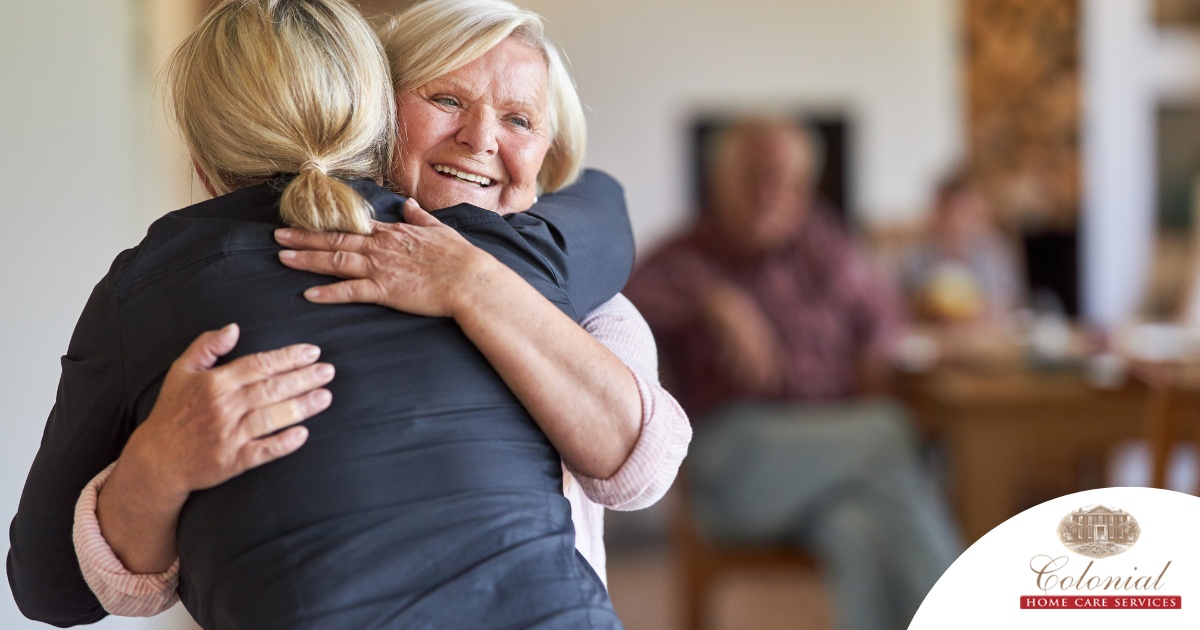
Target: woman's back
x=425, y=495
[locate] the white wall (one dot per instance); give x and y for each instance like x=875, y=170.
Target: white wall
x=1130, y=66
x=644, y=68
x=1118, y=158
x=71, y=124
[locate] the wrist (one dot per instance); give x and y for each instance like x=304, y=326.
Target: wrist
x=136, y=523
x=477, y=283
x=139, y=474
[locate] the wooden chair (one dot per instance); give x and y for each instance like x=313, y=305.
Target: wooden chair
x=702, y=561
x=1172, y=409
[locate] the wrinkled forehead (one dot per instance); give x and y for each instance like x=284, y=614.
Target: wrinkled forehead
x=779, y=143
x=772, y=152
x=512, y=74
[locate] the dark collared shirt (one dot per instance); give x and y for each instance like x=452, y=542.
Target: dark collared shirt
x=425, y=496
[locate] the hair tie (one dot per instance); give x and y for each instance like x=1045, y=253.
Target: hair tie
x=314, y=165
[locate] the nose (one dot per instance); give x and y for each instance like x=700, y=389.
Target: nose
x=480, y=132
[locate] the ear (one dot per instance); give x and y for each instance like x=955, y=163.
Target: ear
x=203, y=178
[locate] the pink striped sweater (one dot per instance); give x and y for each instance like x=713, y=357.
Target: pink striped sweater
x=641, y=481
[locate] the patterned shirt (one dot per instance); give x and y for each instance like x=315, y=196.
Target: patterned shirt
x=828, y=307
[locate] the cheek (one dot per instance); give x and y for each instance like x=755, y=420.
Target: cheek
x=524, y=160
x=422, y=128
x=417, y=137
x=415, y=141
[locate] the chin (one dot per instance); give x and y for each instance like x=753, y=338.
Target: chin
x=446, y=198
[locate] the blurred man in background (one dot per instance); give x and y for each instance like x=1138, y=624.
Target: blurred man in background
x=774, y=329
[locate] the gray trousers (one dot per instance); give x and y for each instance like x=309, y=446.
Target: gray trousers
x=844, y=482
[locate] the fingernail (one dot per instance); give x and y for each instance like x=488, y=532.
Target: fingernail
x=313, y=293
x=325, y=370
x=287, y=254
x=322, y=397
x=310, y=352
x=283, y=234
x=229, y=328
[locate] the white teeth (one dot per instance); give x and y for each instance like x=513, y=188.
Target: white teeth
x=470, y=177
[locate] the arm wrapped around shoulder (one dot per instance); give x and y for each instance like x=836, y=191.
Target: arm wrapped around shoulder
x=590, y=239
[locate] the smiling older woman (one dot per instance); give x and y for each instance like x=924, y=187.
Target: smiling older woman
x=421, y=498
x=489, y=117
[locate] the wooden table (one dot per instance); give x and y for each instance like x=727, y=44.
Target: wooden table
x=1019, y=437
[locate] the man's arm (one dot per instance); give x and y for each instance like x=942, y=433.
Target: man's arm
x=877, y=316
x=670, y=287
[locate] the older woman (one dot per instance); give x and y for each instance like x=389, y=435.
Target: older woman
x=449, y=121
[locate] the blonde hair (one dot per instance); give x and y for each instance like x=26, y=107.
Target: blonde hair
x=270, y=87
x=434, y=38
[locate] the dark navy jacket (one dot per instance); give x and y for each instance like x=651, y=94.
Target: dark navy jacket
x=425, y=497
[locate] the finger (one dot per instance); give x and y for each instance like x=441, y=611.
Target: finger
x=287, y=385
x=255, y=453
x=415, y=215
x=271, y=418
x=260, y=365
x=320, y=241
x=361, y=291
x=204, y=351
x=341, y=264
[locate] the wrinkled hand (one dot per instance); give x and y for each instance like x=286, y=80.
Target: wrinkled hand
x=421, y=266
x=211, y=424
x=747, y=345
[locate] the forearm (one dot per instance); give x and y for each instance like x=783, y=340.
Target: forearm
x=662, y=444
x=652, y=466
x=579, y=393
x=139, y=518
x=120, y=591
x=583, y=398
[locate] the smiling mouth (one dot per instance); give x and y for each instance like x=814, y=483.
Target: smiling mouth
x=450, y=171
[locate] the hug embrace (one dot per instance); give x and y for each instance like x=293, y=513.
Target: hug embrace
x=308, y=402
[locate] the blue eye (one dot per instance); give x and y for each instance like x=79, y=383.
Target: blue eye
x=521, y=122
x=448, y=101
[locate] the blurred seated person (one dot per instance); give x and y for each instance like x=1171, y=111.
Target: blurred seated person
x=773, y=326
x=963, y=272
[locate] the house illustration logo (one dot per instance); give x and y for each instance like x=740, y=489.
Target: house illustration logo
x=1098, y=531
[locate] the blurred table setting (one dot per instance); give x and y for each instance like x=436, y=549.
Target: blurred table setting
x=1034, y=408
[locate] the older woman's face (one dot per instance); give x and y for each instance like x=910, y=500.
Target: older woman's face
x=479, y=134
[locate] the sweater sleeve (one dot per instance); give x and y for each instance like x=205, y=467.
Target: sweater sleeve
x=662, y=444
x=119, y=591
